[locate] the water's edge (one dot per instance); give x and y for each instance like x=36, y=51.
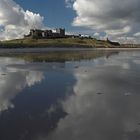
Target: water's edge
x=43, y=50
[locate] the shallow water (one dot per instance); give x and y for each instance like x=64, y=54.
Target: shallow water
x=84, y=99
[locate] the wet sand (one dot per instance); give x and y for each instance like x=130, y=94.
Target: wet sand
x=45, y=50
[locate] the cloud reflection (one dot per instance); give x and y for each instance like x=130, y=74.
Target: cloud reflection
x=14, y=80
x=106, y=116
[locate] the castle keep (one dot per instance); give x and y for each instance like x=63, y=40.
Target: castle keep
x=38, y=34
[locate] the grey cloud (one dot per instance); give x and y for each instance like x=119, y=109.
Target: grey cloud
x=117, y=18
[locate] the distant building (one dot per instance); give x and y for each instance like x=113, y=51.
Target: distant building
x=40, y=34
x=36, y=33
x=84, y=36
x=61, y=32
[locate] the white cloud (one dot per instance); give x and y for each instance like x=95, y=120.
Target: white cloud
x=69, y=3
x=124, y=30
x=115, y=18
x=16, y=22
x=137, y=34
x=129, y=40
x=97, y=34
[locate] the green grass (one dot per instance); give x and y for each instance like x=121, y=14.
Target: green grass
x=64, y=42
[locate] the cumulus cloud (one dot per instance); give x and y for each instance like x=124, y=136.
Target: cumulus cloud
x=137, y=34
x=96, y=34
x=69, y=3
x=15, y=22
x=115, y=18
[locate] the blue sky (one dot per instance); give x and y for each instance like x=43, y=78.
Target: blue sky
x=55, y=12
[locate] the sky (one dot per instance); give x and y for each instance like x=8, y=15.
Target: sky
x=117, y=19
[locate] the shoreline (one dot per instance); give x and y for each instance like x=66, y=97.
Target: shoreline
x=45, y=50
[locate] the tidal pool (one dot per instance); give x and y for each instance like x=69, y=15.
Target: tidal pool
x=77, y=97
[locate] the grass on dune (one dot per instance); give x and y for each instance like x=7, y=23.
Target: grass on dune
x=55, y=42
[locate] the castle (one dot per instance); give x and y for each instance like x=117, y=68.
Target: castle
x=59, y=33
x=51, y=34
x=46, y=34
